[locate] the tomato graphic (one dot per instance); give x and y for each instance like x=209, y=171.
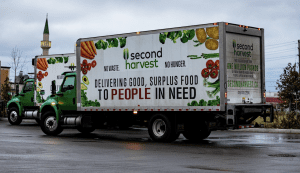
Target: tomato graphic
x=89, y=66
x=210, y=64
x=205, y=72
x=217, y=66
x=94, y=63
x=84, y=71
x=214, y=73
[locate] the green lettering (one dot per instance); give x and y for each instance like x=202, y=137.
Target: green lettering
x=147, y=64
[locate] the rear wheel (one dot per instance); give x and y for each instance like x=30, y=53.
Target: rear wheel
x=161, y=129
x=85, y=130
x=49, y=124
x=196, y=132
x=13, y=116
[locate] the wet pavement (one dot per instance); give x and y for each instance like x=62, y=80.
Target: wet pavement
x=25, y=148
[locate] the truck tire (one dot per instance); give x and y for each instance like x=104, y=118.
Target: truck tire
x=13, y=116
x=85, y=130
x=195, y=132
x=38, y=121
x=161, y=129
x=49, y=124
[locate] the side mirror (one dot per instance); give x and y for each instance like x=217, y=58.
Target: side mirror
x=53, y=89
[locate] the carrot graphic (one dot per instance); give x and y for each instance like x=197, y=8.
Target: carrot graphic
x=46, y=62
x=90, y=47
x=39, y=65
x=85, y=54
x=93, y=46
x=42, y=63
x=85, y=47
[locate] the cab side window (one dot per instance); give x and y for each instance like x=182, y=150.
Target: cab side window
x=69, y=83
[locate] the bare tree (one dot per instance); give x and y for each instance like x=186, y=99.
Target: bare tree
x=17, y=62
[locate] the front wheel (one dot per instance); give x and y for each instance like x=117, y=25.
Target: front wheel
x=161, y=129
x=49, y=124
x=13, y=116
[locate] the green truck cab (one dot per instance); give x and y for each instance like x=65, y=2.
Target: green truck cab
x=22, y=105
x=61, y=102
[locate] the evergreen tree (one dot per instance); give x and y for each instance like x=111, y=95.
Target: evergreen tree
x=5, y=94
x=289, y=85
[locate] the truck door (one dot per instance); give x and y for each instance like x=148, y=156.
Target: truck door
x=27, y=94
x=68, y=89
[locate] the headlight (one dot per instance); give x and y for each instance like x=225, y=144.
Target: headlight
x=53, y=103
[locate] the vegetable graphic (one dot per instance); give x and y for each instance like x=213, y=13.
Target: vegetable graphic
x=212, y=44
x=202, y=102
x=126, y=54
x=201, y=35
x=94, y=63
x=40, y=75
x=122, y=41
x=217, y=66
x=40, y=84
x=51, y=61
x=210, y=64
x=88, y=49
x=187, y=35
x=83, y=87
x=215, y=85
x=205, y=72
x=163, y=37
x=85, y=66
x=59, y=59
x=101, y=44
x=213, y=32
x=112, y=42
x=174, y=35
x=42, y=64
x=85, y=80
x=86, y=103
x=204, y=55
x=214, y=73
x=66, y=59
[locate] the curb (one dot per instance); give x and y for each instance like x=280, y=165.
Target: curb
x=266, y=130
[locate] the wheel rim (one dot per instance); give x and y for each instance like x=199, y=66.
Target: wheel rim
x=13, y=116
x=51, y=123
x=159, y=127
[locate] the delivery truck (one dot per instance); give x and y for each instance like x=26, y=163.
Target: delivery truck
x=186, y=80
x=26, y=104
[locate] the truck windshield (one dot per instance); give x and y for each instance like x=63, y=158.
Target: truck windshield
x=68, y=83
x=28, y=86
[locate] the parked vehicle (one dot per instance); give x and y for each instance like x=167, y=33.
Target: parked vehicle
x=26, y=104
x=190, y=80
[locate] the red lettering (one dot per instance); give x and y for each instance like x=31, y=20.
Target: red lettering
x=113, y=92
x=120, y=93
x=147, y=93
x=140, y=93
x=134, y=92
x=127, y=95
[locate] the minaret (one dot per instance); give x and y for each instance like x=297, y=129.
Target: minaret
x=46, y=44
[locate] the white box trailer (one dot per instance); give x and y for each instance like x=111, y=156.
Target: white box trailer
x=189, y=80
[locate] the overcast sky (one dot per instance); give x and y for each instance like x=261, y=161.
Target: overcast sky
x=22, y=24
